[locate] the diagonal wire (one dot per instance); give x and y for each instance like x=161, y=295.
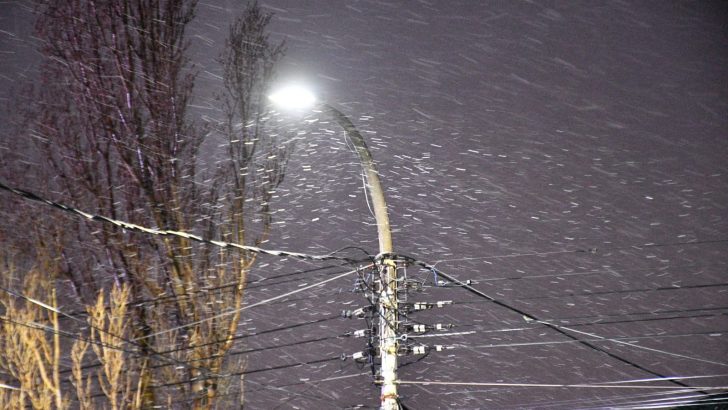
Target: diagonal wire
x=163, y=232
x=529, y=316
x=153, y=353
x=262, y=302
x=611, y=339
x=48, y=329
x=560, y=386
x=588, y=250
x=619, y=340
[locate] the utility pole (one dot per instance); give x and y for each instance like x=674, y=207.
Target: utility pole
x=387, y=301
x=385, y=286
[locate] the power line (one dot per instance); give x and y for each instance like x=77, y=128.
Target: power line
x=124, y=225
x=330, y=256
x=152, y=353
x=712, y=400
x=619, y=341
x=69, y=335
x=234, y=338
x=642, y=401
x=615, y=401
x=623, y=291
x=597, y=319
x=230, y=312
x=595, y=338
x=241, y=373
x=260, y=370
x=257, y=349
x=244, y=336
x=159, y=355
x=282, y=387
x=129, y=226
x=484, y=329
x=529, y=316
x=561, y=386
x=231, y=286
x=163, y=232
x=584, y=250
x=593, y=272
x=560, y=329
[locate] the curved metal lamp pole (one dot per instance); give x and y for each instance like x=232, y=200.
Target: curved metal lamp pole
x=297, y=97
x=388, y=345
x=372, y=177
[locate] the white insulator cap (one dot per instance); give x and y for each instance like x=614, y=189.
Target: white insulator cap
x=360, y=356
x=360, y=313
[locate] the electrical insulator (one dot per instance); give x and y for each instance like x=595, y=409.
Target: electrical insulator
x=423, y=349
x=443, y=326
x=358, y=313
x=362, y=312
x=445, y=283
x=411, y=327
x=362, y=333
x=419, y=328
x=363, y=356
x=410, y=284
x=417, y=306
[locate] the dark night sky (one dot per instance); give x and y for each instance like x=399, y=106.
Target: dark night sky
x=509, y=135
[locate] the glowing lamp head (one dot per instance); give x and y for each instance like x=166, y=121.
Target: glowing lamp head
x=293, y=98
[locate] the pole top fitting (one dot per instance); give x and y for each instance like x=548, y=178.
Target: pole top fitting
x=390, y=257
x=389, y=396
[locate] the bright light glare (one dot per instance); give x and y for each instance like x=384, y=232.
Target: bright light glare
x=293, y=98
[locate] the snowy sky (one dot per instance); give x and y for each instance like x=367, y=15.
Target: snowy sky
x=511, y=137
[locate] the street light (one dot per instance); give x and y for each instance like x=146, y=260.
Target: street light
x=299, y=98
x=293, y=97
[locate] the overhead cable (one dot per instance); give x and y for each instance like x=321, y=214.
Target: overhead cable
x=560, y=386
x=531, y=317
x=165, y=232
x=262, y=302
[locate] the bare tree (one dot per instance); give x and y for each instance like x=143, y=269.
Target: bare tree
x=30, y=342
x=33, y=354
x=115, y=135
